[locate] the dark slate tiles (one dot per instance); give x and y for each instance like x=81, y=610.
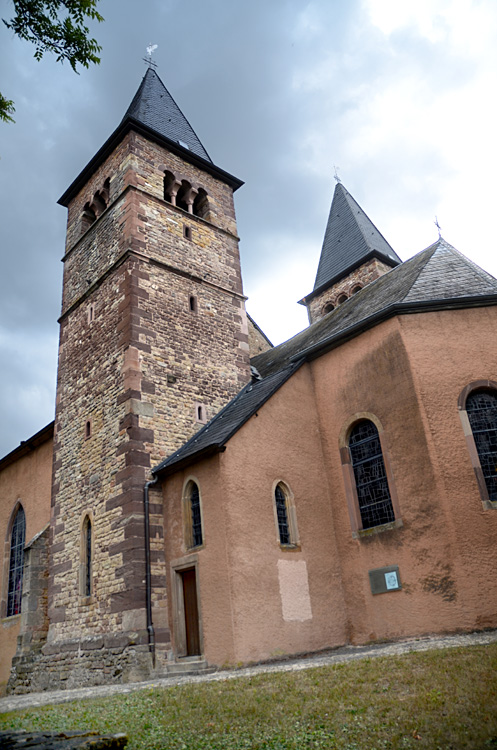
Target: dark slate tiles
x=450, y=275
x=439, y=273
x=350, y=238
x=154, y=107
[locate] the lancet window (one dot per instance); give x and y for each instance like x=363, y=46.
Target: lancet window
x=16, y=563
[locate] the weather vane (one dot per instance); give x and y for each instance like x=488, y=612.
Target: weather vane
x=150, y=49
x=439, y=228
x=336, y=176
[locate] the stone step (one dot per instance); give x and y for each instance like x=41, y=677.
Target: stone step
x=186, y=666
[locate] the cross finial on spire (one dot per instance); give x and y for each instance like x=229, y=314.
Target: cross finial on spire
x=336, y=176
x=439, y=228
x=150, y=49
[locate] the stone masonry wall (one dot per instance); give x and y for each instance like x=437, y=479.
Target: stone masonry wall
x=363, y=275
x=153, y=326
x=257, y=339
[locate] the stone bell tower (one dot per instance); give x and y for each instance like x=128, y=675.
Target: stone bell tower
x=153, y=342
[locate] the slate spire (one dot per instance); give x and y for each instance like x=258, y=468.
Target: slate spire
x=154, y=107
x=350, y=240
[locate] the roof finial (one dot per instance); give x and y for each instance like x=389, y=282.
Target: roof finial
x=439, y=228
x=150, y=49
x=336, y=176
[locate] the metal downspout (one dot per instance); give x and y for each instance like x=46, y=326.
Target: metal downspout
x=148, y=585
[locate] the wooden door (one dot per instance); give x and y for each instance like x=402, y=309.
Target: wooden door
x=192, y=632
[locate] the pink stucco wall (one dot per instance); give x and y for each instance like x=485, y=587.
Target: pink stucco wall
x=27, y=481
x=259, y=600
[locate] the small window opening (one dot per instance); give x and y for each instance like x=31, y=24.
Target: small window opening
x=169, y=180
x=16, y=563
x=88, y=429
x=86, y=560
x=342, y=298
x=201, y=204
x=200, y=413
x=183, y=199
x=328, y=308
x=91, y=314
x=88, y=546
x=99, y=203
x=193, y=303
x=187, y=232
x=89, y=216
x=355, y=289
x=105, y=192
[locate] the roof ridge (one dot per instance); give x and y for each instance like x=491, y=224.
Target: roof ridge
x=423, y=265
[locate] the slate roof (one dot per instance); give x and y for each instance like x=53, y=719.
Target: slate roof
x=154, y=107
x=439, y=277
x=350, y=239
x=435, y=278
x=154, y=114
x=213, y=437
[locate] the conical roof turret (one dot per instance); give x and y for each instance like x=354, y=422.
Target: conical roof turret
x=350, y=240
x=154, y=107
x=154, y=114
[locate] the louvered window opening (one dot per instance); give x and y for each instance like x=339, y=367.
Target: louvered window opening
x=282, y=516
x=481, y=407
x=16, y=564
x=88, y=559
x=375, y=504
x=196, y=518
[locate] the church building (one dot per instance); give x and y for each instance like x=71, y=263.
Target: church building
x=203, y=498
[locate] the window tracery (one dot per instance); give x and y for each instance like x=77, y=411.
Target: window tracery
x=373, y=493
x=16, y=563
x=481, y=408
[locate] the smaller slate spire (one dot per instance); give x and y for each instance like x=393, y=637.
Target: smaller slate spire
x=154, y=107
x=350, y=240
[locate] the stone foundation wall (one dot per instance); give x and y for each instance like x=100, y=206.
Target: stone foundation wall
x=81, y=663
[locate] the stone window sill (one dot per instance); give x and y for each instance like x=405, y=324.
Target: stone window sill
x=489, y=504
x=11, y=620
x=363, y=533
x=290, y=547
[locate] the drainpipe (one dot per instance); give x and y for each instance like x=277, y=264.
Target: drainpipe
x=148, y=585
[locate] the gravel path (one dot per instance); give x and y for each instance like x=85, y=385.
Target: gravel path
x=337, y=656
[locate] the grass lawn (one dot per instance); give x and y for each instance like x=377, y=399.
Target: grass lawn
x=437, y=699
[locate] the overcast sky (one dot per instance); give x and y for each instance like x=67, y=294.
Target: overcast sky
x=399, y=95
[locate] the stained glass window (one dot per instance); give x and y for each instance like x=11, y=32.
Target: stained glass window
x=281, y=513
x=481, y=407
x=196, y=517
x=16, y=564
x=375, y=504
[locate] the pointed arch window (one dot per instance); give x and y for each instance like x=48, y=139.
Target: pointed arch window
x=192, y=513
x=16, y=563
x=481, y=408
x=282, y=515
x=373, y=492
x=285, y=518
